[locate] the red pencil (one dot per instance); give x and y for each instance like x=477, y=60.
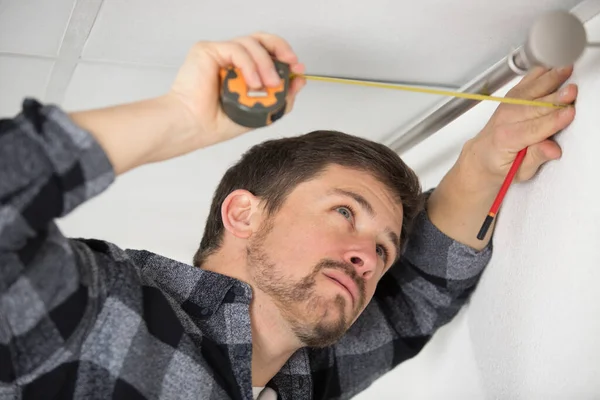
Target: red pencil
x=501, y=193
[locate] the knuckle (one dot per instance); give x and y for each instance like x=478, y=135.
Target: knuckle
x=538, y=154
x=556, y=115
x=516, y=92
x=536, y=112
x=249, y=44
x=245, y=40
x=238, y=39
x=255, y=47
x=259, y=34
x=557, y=74
x=200, y=45
x=235, y=48
x=533, y=129
x=558, y=119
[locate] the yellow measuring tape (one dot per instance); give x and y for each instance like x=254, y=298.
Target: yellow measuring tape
x=417, y=89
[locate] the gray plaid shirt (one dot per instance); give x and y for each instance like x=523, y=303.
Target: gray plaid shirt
x=85, y=319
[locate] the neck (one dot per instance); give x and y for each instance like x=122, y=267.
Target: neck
x=273, y=342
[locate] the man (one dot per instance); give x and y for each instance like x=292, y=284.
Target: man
x=319, y=269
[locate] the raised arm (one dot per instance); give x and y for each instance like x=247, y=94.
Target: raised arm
x=444, y=259
x=51, y=162
x=48, y=166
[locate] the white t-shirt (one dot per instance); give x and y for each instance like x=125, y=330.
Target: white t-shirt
x=262, y=393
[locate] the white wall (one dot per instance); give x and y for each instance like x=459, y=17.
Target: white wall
x=532, y=328
x=535, y=320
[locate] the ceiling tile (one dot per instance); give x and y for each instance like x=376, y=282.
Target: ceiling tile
x=33, y=26
x=21, y=77
x=430, y=41
x=98, y=85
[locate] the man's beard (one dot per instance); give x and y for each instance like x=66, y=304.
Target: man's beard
x=298, y=301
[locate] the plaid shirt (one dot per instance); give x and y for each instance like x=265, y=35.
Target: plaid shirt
x=85, y=319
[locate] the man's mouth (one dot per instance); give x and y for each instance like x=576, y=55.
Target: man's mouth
x=345, y=282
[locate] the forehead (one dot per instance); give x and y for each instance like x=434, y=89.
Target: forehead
x=335, y=179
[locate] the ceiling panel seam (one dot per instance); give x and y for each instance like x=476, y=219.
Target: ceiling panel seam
x=586, y=10
x=76, y=34
x=126, y=63
x=25, y=55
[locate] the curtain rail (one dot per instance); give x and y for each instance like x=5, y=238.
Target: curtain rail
x=493, y=79
x=487, y=83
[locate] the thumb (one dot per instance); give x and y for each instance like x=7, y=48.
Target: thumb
x=537, y=155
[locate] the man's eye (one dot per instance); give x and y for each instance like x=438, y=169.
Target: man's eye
x=345, y=211
x=382, y=252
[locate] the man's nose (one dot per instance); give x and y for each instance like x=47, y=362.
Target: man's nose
x=363, y=257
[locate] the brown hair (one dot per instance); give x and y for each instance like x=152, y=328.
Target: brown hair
x=272, y=169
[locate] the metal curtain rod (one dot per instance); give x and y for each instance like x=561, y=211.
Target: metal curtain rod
x=447, y=111
x=557, y=38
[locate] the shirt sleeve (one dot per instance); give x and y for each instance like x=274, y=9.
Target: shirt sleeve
x=48, y=167
x=423, y=291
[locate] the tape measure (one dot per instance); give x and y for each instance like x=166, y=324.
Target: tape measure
x=256, y=109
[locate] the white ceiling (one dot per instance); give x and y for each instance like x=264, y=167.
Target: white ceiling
x=429, y=41
x=438, y=41
x=94, y=53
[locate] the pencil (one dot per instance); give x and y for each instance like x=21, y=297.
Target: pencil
x=501, y=193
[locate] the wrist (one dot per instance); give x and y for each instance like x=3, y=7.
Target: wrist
x=470, y=176
x=176, y=133
x=139, y=133
x=459, y=204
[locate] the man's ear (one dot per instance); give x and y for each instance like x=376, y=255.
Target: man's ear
x=239, y=213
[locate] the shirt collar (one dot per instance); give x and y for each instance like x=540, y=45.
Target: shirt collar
x=198, y=291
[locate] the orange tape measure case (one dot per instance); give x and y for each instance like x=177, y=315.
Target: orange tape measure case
x=253, y=109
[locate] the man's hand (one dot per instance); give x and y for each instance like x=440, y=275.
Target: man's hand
x=197, y=84
x=513, y=128
x=460, y=203
x=189, y=116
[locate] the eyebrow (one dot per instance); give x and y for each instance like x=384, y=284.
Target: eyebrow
x=369, y=209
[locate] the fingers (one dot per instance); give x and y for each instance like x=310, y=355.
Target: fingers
x=530, y=132
x=546, y=151
x=564, y=96
x=263, y=60
x=541, y=85
x=253, y=55
x=534, y=74
x=537, y=155
x=233, y=53
x=279, y=48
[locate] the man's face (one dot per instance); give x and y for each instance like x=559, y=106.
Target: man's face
x=321, y=255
